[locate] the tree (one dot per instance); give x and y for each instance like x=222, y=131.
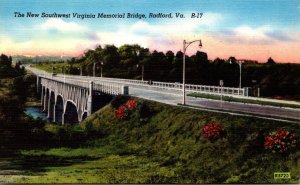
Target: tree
x=5, y=60
x=232, y=60
x=170, y=56
x=201, y=57
x=128, y=54
x=110, y=55
x=270, y=61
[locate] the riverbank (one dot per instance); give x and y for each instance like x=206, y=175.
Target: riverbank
x=33, y=102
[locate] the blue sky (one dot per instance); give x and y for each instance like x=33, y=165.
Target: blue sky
x=248, y=29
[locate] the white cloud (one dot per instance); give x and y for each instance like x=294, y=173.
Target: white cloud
x=249, y=34
x=265, y=34
x=163, y=35
x=62, y=26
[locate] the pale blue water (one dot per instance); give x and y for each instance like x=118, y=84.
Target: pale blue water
x=35, y=112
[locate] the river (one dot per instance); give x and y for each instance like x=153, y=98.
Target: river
x=36, y=113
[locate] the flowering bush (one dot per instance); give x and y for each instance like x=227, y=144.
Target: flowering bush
x=212, y=131
x=131, y=104
x=124, y=110
x=280, y=141
x=121, y=112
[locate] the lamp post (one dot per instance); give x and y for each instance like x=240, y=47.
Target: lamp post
x=137, y=66
x=185, y=46
x=240, y=82
x=94, y=68
x=80, y=70
x=240, y=66
x=101, y=69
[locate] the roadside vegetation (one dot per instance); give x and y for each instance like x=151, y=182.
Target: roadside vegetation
x=150, y=142
x=242, y=100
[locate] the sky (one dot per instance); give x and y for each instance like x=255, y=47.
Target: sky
x=245, y=29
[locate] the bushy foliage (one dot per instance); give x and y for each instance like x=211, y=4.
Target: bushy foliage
x=213, y=131
x=122, y=112
x=281, y=141
x=126, y=109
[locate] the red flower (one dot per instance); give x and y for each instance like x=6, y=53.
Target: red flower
x=212, y=131
x=121, y=112
x=280, y=141
x=131, y=104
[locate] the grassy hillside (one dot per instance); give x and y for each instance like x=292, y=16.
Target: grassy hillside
x=159, y=143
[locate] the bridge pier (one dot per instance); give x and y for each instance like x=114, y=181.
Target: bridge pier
x=90, y=99
x=38, y=83
x=46, y=97
x=42, y=96
x=63, y=118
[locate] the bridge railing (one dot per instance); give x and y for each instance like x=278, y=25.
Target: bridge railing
x=110, y=88
x=167, y=85
x=102, y=86
x=200, y=88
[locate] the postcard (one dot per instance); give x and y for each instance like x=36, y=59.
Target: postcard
x=150, y=92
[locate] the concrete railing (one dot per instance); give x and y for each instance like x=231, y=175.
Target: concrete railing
x=200, y=88
x=110, y=88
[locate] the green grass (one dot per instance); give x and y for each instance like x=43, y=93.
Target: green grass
x=161, y=148
x=48, y=67
x=241, y=100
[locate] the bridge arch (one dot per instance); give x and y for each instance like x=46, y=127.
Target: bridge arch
x=70, y=114
x=59, y=108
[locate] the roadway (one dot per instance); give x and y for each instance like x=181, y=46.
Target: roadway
x=174, y=97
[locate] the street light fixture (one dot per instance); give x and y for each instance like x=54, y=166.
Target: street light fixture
x=185, y=46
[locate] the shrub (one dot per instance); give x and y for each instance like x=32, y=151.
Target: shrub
x=131, y=104
x=212, y=131
x=126, y=109
x=121, y=112
x=280, y=141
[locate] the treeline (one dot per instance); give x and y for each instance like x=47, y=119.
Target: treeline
x=127, y=61
x=6, y=68
x=16, y=129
